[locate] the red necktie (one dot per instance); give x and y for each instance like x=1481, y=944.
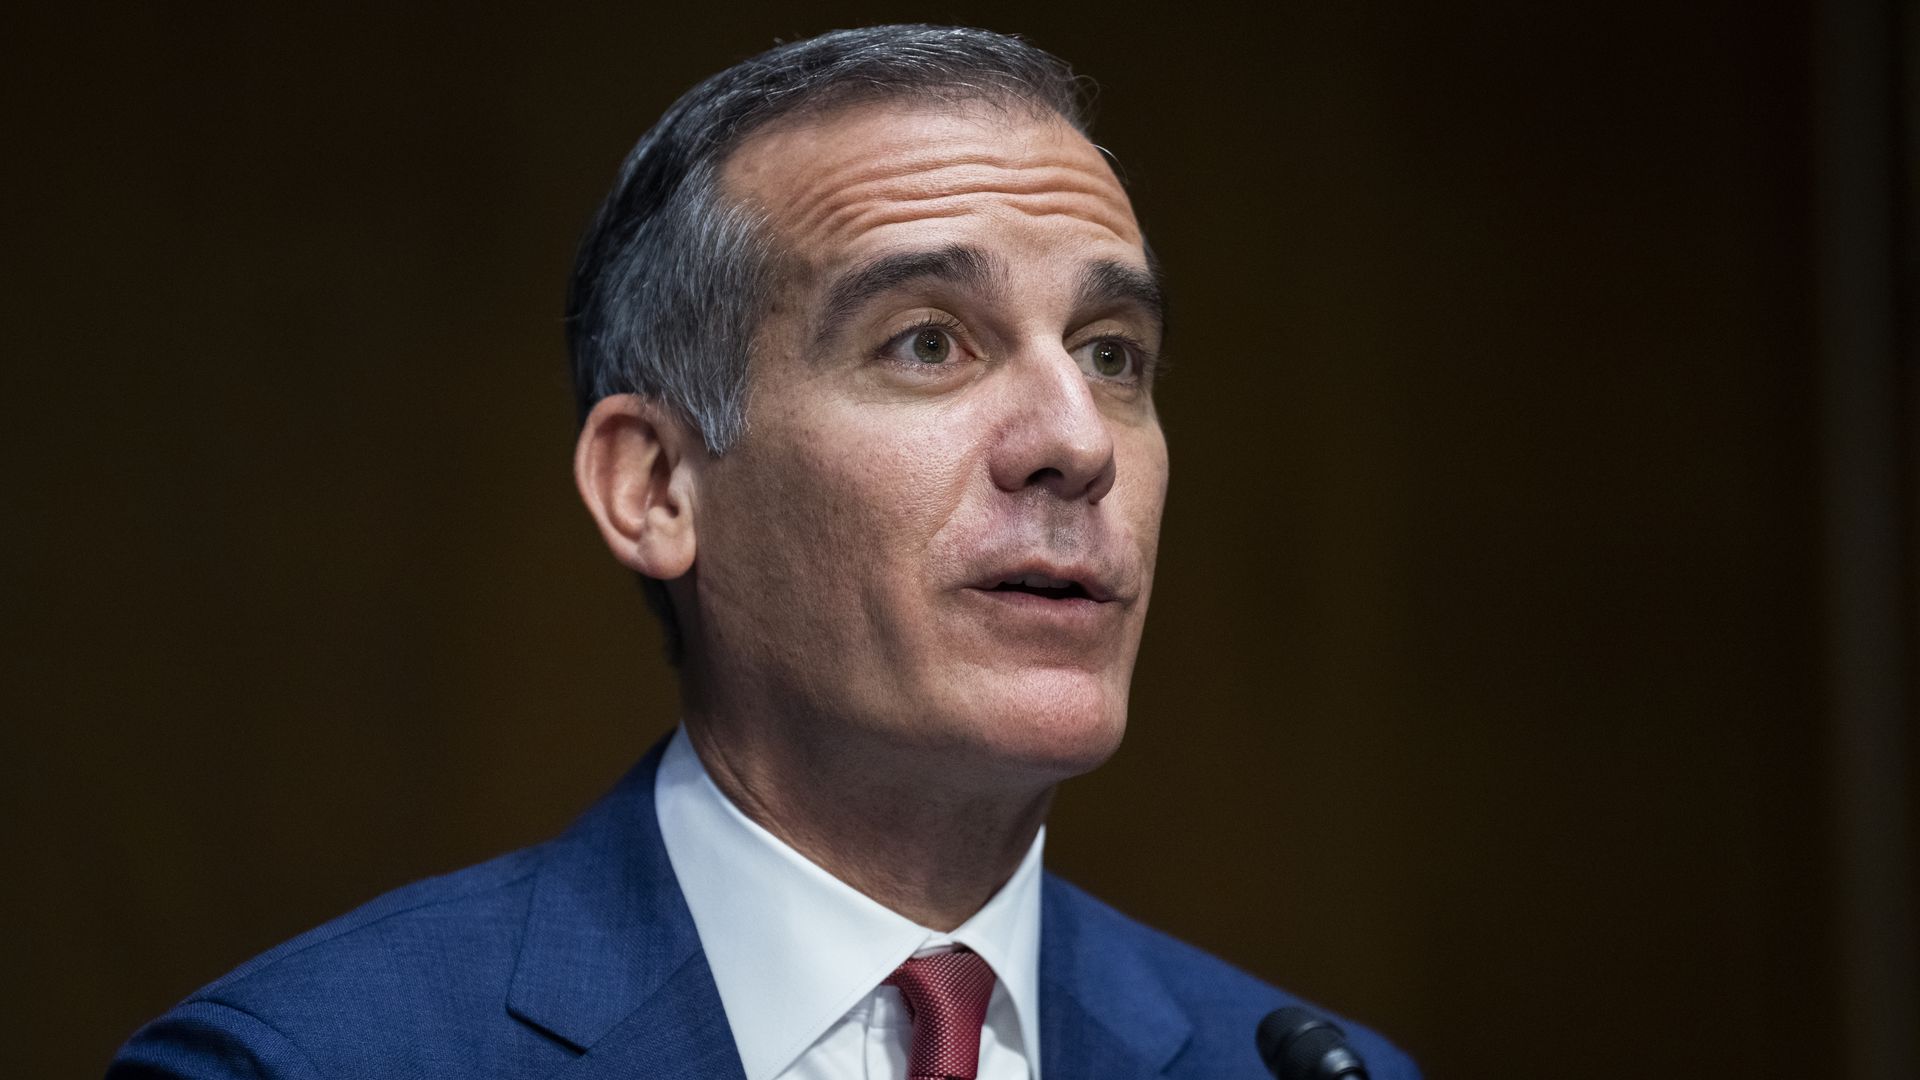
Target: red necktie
x=947, y=997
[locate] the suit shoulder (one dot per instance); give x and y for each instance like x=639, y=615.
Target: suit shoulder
x=430, y=960
x=482, y=901
x=1223, y=1002
x=203, y=1040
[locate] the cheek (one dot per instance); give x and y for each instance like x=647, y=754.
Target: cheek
x=903, y=481
x=834, y=517
x=1146, y=495
x=887, y=490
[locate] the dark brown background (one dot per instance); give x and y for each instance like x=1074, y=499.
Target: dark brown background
x=1528, y=664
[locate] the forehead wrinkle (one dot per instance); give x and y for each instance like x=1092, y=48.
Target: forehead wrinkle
x=866, y=220
x=836, y=196
x=857, y=172
x=853, y=216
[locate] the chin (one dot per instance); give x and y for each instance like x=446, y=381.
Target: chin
x=1051, y=723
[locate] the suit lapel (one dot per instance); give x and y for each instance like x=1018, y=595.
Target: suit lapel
x=1104, y=1012
x=680, y=1031
x=610, y=962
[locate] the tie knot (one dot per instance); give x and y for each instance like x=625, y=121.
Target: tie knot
x=947, y=995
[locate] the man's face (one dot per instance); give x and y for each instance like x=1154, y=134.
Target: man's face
x=939, y=529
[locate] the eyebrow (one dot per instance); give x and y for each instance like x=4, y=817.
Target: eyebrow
x=1106, y=284
x=956, y=264
x=1103, y=284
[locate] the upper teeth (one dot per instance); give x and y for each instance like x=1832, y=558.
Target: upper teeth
x=1038, y=581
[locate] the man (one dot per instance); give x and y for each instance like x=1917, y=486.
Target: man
x=865, y=340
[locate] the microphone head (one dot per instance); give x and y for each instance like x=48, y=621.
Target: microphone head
x=1300, y=1044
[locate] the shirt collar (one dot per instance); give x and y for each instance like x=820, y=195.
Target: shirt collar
x=792, y=947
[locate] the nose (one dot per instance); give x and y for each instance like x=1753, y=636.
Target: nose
x=1056, y=439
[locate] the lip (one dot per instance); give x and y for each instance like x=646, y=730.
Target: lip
x=1096, y=587
x=1029, y=619
x=1071, y=630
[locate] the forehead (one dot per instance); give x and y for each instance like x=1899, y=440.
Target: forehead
x=871, y=179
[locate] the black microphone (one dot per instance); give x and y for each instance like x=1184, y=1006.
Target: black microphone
x=1300, y=1044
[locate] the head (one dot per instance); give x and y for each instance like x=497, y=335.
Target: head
x=864, y=341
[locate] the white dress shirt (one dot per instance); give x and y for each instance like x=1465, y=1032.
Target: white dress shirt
x=798, y=955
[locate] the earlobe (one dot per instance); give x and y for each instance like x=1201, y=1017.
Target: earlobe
x=634, y=465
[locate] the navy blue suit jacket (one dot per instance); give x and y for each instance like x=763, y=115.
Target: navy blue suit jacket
x=578, y=959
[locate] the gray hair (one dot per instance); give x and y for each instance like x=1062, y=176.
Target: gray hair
x=672, y=277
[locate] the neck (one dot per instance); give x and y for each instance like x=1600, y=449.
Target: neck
x=912, y=837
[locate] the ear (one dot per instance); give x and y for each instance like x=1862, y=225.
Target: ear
x=635, y=466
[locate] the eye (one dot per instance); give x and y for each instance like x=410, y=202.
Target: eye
x=936, y=346
x=927, y=345
x=1109, y=358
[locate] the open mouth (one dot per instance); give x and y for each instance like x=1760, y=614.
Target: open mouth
x=1040, y=585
